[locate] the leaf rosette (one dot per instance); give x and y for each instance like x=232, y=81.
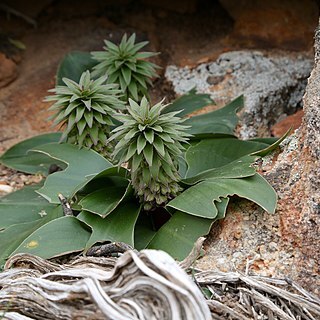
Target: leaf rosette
x=126, y=65
x=85, y=111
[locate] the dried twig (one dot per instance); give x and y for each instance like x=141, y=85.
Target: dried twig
x=66, y=207
x=193, y=255
x=9, y=10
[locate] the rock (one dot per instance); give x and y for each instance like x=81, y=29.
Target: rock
x=287, y=241
x=8, y=70
x=293, y=121
x=5, y=189
x=299, y=204
x=272, y=84
x=274, y=23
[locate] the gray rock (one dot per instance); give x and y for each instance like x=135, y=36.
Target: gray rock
x=272, y=84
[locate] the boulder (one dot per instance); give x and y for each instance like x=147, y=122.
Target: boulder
x=272, y=84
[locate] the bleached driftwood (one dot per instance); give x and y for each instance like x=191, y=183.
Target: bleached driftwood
x=145, y=285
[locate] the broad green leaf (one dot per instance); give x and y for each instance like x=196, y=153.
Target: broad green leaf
x=18, y=158
x=179, y=234
x=117, y=226
x=216, y=123
x=239, y=168
x=269, y=141
x=144, y=231
x=73, y=65
x=222, y=208
x=126, y=73
x=182, y=242
x=199, y=200
x=113, y=176
x=57, y=237
x=148, y=154
x=83, y=166
x=12, y=237
x=22, y=206
x=189, y=102
x=214, y=153
x=104, y=201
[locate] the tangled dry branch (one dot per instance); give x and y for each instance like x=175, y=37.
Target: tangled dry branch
x=145, y=285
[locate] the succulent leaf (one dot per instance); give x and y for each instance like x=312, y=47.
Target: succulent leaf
x=152, y=154
x=85, y=111
x=125, y=65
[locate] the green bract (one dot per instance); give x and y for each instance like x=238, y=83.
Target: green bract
x=125, y=65
x=85, y=110
x=151, y=143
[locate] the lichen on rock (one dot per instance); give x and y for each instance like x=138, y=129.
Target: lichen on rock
x=272, y=83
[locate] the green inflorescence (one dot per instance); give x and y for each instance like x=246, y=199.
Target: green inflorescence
x=152, y=143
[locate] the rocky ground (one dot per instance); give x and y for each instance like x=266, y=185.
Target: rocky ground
x=216, y=47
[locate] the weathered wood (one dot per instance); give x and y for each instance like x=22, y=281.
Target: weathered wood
x=145, y=285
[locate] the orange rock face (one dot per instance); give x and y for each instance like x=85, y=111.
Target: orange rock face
x=292, y=121
x=287, y=24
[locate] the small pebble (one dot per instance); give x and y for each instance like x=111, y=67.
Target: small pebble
x=4, y=188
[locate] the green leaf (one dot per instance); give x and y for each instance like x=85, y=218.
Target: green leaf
x=141, y=143
x=18, y=158
x=22, y=206
x=159, y=146
x=83, y=166
x=104, y=201
x=179, y=234
x=199, y=200
x=12, y=237
x=60, y=236
x=126, y=73
x=240, y=168
x=271, y=147
x=113, y=176
x=144, y=231
x=221, y=205
x=214, y=153
x=117, y=226
x=269, y=141
x=79, y=113
x=73, y=65
x=219, y=122
x=133, y=90
x=136, y=161
x=148, y=153
x=189, y=102
x=81, y=125
x=149, y=135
